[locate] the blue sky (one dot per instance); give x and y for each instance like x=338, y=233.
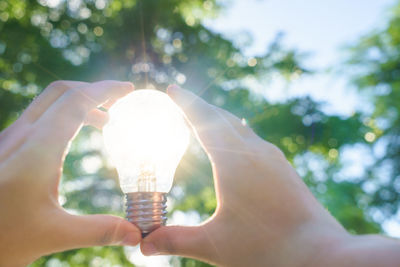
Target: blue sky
x=320, y=28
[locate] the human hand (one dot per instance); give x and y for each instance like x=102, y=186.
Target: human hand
x=32, y=151
x=265, y=214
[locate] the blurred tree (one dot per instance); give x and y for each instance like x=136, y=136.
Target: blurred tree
x=155, y=43
x=376, y=66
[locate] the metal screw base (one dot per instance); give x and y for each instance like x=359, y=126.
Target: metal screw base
x=146, y=210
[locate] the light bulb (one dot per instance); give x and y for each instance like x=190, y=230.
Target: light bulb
x=146, y=137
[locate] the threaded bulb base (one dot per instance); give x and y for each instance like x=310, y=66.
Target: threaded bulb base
x=146, y=210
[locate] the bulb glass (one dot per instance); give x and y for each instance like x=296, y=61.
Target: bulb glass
x=146, y=137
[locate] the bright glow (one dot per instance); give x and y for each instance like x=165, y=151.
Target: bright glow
x=370, y=137
x=146, y=138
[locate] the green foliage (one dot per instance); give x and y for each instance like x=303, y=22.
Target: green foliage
x=376, y=59
x=96, y=256
x=155, y=43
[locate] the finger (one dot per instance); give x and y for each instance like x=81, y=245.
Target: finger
x=13, y=139
x=237, y=123
x=109, y=103
x=187, y=241
x=253, y=140
x=96, y=118
x=95, y=230
x=59, y=124
x=211, y=127
x=47, y=98
x=15, y=135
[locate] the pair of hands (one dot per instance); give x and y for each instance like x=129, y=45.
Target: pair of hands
x=265, y=214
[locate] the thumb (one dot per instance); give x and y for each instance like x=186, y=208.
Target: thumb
x=212, y=128
x=97, y=230
x=188, y=241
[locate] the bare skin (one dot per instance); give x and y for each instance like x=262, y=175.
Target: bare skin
x=265, y=215
x=32, y=151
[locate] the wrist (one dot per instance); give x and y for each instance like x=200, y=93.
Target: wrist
x=305, y=244
x=366, y=250
x=316, y=243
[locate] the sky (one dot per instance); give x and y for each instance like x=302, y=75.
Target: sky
x=322, y=28
x=319, y=28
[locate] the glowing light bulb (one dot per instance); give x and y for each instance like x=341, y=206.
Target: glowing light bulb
x=146, y=137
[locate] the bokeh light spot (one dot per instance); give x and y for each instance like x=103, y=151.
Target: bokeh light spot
x=252, y=62
x=98, y=31
x=370, y=137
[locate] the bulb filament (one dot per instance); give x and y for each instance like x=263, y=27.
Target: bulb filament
x=147, y=181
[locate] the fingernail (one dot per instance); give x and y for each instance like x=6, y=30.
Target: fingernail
x=172, y=88
x=131, y=239
x=130, y=85
x=149, y=249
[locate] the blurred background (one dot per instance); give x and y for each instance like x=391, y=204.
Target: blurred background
x=320, y=79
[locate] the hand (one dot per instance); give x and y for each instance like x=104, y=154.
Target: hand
x=32, y=151
x=265, y=214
